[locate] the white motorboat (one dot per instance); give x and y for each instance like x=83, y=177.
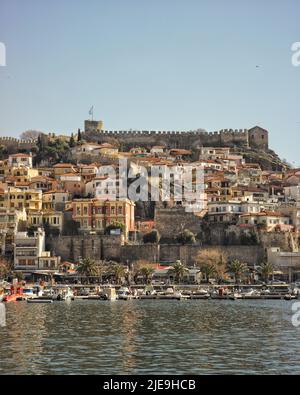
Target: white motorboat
x=110, y=293
x=63, y=293
x=251, y=293
x=28, y=293
x=124, y=294
x=58, y=292
x=237, y=295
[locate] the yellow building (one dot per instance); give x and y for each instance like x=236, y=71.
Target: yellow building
x=64, y=168
x=20, y=174
x=29, y=199
x=3, y=168
x=11, y=220
x=51, y=218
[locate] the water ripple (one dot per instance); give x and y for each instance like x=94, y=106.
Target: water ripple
x=150, y=337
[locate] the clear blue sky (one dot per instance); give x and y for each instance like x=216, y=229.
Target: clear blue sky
x=159, y=64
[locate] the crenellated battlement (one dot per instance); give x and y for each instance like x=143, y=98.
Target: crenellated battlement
x=238, y=132
x=8, y=141
x=180, y=139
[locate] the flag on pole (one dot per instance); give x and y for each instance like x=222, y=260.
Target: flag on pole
x=91, y=110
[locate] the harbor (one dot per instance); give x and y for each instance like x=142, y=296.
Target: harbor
x=36, y=293
x=150, y=337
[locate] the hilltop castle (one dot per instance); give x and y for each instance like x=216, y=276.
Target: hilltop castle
x=255, y=137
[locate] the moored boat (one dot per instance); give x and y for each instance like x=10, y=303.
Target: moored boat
x=14, y=293
x=124, y=294
x=110, y=293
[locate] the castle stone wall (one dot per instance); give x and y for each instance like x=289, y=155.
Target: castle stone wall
x=167, y=253
x=12, y=142
x=171, y=221
x=71, y=248
x=179, y=139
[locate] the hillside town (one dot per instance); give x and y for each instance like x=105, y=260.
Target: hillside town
x=60, y=209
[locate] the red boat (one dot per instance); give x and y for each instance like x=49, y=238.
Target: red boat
x=16, y=293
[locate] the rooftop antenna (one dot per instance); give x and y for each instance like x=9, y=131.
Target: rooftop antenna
x=91, y=113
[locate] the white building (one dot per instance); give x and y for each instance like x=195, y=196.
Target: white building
x=227, y=211
x=28, y=249
x=30, y=254
x=286, y=262
x=20, y=160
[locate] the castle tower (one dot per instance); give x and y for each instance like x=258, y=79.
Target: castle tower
x=258, y=138
x=93, y=126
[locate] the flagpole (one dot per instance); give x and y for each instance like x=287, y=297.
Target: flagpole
x=91, y=112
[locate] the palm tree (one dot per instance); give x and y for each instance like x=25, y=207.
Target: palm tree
x=266, y=270
x=179, y=270
x=101, y=269
x=208, y=270
x=238, y=269
x=87, y=267
x=119, y=272
x=147, y=273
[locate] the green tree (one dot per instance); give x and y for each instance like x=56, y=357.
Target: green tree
x=79, y=135
x=30, y=231
x=208, y=270
x=72, y=141
x=147, y=273
x=3, y=152
x=118, y=272
x=238, y=269
x=186, y=237
x=179, y=270
x=116, y=225
x=5, y=268
x=152, y=237
x=88, y=268
x=266, y=270
x=19, y=276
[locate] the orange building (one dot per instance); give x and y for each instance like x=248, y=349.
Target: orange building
x=97, y=215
